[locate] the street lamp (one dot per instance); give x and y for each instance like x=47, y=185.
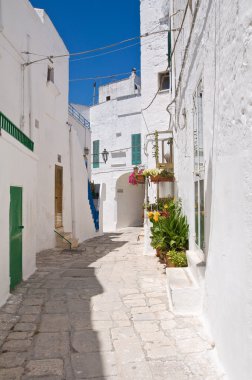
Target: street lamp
x=86, y=152
x=105, y=155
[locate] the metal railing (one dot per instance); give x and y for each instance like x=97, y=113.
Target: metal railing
x=15, y=132
x=77, y=116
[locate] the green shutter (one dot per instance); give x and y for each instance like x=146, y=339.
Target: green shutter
x=136, y=148
x=96, y=155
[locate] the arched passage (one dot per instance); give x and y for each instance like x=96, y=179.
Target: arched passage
x=130, y=201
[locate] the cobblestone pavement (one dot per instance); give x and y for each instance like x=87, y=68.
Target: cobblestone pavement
x=100, y=313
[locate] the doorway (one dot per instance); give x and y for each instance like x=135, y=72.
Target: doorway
x=15, y=228
x=58, y=196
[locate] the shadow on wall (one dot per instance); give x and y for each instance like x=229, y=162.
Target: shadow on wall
x=129, y=201
x=102, y=199
x=66, y=326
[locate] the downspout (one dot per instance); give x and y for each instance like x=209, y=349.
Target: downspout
x=29, y=77
x=71, y=181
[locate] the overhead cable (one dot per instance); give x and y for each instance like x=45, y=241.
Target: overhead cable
x=50, y=57
x=101, y=77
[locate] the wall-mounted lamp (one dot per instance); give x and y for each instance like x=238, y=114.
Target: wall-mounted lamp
x=86, y=152
x=105, y=155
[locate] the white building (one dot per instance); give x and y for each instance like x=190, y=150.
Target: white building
x=212, y=124
x=155, y=94
x=43, y=166
x=116, y=127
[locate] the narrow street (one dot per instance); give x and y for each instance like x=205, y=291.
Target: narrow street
x=100, y=313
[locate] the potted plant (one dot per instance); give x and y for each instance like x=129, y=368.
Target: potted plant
x=170, y=233
x=163, y=176
x=176, y=259
x=136, y=177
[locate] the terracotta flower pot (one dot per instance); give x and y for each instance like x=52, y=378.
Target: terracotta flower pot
x=159, y=178
x=168, y=262
x=140, y=178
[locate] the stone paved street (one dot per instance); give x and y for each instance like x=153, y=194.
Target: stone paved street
x=100, y=313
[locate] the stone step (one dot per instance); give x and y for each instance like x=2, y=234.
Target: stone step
x=185, y=297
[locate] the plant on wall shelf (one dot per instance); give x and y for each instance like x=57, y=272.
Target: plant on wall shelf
x=136, y=177
x=159, y=175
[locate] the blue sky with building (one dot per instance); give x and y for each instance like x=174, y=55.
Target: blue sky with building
x=86, y=25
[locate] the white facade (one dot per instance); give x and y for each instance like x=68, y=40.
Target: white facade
x=113, y=123
x=212, y=77
x=40, y=109
x=154, y=99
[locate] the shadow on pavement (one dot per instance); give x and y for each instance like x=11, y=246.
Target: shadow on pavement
x=48, y=329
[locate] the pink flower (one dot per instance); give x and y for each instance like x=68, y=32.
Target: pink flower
x=132, y=179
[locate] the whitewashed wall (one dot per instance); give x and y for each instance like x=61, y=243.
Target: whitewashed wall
x=19, y=168
x=220, y=53
x=113, y=122
x=154, y=48
x=84, y=138
x=154, y=60
x=40, y=109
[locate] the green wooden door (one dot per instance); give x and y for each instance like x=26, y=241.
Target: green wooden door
x=16, y=227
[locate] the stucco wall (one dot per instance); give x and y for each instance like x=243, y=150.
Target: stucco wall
x=124, y=87
x=40, y=109
x=154, y=60
x=113, y=123
x=220, y=54
x=20, y=171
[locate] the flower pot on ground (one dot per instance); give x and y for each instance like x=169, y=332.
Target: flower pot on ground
x=168, y=262
x=176, y=259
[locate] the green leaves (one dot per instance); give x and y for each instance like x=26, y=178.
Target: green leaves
x=171, y=233
x=177, y=258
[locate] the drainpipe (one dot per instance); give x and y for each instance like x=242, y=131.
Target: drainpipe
x=71, y=181
x=29, y=77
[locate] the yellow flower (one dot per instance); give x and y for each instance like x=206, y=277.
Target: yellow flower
x=150, y=214
x=156, y=216
x=166, y=206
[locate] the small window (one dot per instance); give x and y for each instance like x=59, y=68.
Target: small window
x=136, y=87
x=50, y=74
x=164, y=81
x=107, y=98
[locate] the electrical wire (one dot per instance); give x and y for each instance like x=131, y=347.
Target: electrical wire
x=172, y=53
x=185, y=54
x=101, y=77
x=107, y=52
x=50, y=57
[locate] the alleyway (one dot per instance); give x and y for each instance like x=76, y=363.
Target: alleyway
x=100, y=313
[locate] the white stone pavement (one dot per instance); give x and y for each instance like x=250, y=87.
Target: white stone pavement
x=100, y=313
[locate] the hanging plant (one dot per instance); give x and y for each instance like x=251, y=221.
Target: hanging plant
x=136, y=177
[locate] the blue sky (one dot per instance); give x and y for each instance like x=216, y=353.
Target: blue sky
x=88, y=24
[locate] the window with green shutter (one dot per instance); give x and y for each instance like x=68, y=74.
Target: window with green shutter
x=136, y=148
x=96, y=155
